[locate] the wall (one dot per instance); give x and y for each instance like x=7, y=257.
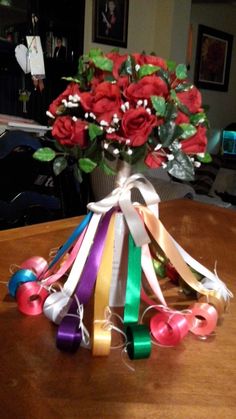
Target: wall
x=162, y=26
x=151, y=24
x=222, y=17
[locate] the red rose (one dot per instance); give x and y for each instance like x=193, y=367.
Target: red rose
x=195, y=144
x=137, y=124
x=118, y=60
x=192, y=99
x=181, y=118
x=72, y=89
x=69, y=132
x=145, y=88
x=142, y=59
x=104, y=101
x=154, y=160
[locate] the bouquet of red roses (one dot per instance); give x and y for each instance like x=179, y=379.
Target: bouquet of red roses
x=135, y=107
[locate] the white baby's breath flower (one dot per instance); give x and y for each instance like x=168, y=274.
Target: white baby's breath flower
x=158, y=146
x=103, y=123
x=48, y=113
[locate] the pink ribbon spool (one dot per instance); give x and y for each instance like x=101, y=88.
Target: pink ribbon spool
x=203, y=320
x=30, y=298
x=37, y=264
x=169, y=328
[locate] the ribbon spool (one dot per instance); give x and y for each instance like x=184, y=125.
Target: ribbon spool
x=203, y=320
x=30, y=298
x=56, y=306
x=139, y=341
x=69, y=337
x=169, y=328
x=18, y=278
x=37, y=264
x=217, y=303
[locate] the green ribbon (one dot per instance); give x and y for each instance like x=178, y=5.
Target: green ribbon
x=133, y=284
x=138, y=336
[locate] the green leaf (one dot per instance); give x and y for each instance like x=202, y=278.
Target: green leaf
x=166, y=133
x=183, y=87
x=77, y=173
x=44, y=154
x=181, y=167
x=188, y=131
x=181, y=71
x=76, y=80
x=94, y=131
x=159, y=104
x=171, y=65
x=106, y=168
x=103, y=63
x=198, y=118
x=171, y=111
x=59, y=164
x=128, y=66
x=147, y=70
x=205, y=159
x=87, y=165
x=95, y=52
x=164, y=75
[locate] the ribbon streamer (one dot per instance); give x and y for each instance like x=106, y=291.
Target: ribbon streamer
x=56, y=305
x=165, y=241
x=101, y=333
x=85, y=287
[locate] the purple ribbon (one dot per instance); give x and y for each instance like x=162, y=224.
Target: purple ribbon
x=69, y=334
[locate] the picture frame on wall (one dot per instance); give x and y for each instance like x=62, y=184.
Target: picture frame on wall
x=213, y=59
x=110, y=22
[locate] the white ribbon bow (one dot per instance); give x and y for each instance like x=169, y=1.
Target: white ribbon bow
x=121, y=196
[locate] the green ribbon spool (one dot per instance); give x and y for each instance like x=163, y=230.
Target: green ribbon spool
x=139, y=341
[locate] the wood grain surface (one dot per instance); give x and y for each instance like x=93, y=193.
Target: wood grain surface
x=196, y=379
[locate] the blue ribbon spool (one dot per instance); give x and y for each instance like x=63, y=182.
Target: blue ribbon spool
x=20, y=277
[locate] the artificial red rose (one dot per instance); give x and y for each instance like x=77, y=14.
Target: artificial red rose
x=142, y=59
x=137, y=124
x=69, y=132
x=154, y=160
x=145, y=88
x=195, y=144
x=123, y=82
x=181, y=118
x=118, y=60
x=104, y=101
x=192, y=99
x=72, y=89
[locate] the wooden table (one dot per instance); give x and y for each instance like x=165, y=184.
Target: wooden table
x=194, y=380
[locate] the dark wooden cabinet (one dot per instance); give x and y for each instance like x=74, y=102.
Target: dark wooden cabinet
x=63, y=19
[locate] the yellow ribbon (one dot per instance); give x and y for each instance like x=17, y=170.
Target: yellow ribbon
x=165, y=241
x=102, y=325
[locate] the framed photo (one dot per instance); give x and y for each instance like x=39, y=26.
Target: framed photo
x=213, y=58
x=110, y=22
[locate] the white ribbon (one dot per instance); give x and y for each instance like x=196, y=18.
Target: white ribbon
x=121, y=196
x=211, y=281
